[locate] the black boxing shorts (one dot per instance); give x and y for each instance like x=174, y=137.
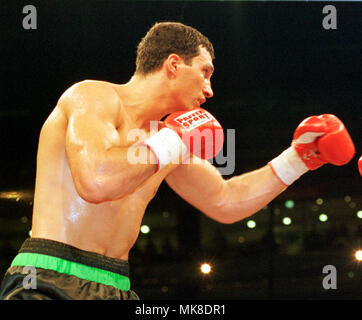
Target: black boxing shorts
x=50, y=270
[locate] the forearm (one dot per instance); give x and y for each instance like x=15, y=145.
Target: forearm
x=248, y=193
x=225, y=201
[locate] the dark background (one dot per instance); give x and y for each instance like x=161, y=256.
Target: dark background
x=275, y=65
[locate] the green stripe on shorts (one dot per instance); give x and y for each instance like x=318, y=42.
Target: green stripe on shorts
x=81, y=271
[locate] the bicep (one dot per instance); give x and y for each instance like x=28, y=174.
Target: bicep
x=91, y=130
x=87, y=137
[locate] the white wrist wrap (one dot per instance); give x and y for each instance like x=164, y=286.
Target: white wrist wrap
x=167, y=146
x=288, y=166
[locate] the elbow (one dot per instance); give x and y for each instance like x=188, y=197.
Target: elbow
x=229, y=220
x=228, y=216
x=96, y=189
x=219, y=215
x=91, y=190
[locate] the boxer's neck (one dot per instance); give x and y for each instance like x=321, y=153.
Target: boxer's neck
x=148, y=97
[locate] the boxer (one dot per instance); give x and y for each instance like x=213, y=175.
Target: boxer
x=90, y=198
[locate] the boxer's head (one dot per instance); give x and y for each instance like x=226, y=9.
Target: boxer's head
x=186, y=57
x=166, y=38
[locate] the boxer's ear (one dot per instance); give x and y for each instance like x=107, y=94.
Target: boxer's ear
x=172, y=64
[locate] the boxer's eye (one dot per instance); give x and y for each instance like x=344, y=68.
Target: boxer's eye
x=206, y=73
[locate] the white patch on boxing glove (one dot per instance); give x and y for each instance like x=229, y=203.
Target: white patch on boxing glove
x=308, y=137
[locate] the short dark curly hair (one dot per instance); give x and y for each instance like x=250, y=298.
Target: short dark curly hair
x=165, y=38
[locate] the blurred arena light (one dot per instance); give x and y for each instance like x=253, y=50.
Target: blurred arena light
x=323, y=217
x=359, y=214
x=358, y=255
x=287, y=221
x=289, y=204
x=205, y=268
x=251, y=224
x=18, y=195
x=145, y=229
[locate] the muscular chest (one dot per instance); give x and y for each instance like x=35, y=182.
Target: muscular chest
x=131, y=135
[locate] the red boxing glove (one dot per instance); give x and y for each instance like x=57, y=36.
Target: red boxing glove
x=360, y=165
x=323, y=139
x=316, y=141
x=195, y=131
x=199, y=130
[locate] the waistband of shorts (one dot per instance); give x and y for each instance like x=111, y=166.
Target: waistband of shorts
x=66, y=259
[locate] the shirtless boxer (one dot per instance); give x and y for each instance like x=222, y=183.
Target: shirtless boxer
x=90, y=200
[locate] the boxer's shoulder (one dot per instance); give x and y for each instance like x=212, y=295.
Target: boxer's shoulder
x=97, y=97
x=91, y=90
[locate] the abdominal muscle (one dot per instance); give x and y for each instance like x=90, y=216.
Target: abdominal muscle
x=110, y=228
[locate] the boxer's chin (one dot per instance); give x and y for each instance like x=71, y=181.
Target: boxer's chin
x=195, y=104
x=189, y=107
